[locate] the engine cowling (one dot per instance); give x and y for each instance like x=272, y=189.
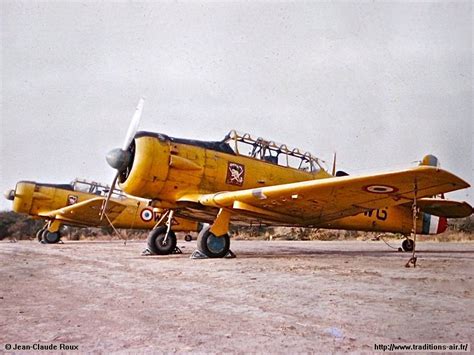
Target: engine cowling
x=23, y=196
x=149, y=166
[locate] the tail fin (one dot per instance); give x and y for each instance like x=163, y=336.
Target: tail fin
x=430, y=160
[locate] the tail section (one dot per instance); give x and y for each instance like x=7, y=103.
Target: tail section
x=433, y=224
x=436, y=211
x=430, y=160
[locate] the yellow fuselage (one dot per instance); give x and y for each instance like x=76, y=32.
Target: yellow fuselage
x=170, y=172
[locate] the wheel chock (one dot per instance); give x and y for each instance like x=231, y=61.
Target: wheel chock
x=230, y=255
x=147, y=252
x=197, y=254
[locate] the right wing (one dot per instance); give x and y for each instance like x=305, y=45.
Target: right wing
x=323, y=200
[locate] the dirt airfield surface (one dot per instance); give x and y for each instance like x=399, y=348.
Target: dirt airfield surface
x=278, y=296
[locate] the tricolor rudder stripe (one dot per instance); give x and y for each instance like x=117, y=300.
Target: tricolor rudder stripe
x=433, y=224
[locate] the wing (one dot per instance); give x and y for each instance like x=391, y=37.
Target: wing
x=86, y=212
x=317, y=201
x=445, y=208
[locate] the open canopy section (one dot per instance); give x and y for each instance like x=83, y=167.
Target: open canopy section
x=272, y=152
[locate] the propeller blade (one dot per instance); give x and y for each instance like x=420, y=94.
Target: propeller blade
x=334, y=165
x=119, y=158
x=132, y=129
x=109, y=195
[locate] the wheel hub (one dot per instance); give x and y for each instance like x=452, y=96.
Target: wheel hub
x=160, y=242
x=215, y=244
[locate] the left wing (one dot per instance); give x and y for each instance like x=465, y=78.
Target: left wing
x=318, y=201
x=86, y=212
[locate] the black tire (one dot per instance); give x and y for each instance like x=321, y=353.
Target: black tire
x=408, y=244
x=156, y=238
x=39, y=234
x=212, y=246
x=51, y=237
x=188, y=237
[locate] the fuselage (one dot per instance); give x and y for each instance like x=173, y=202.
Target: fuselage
x=170, y=171
x=171, y=168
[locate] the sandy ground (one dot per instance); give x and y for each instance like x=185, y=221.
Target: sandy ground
x=275, y=296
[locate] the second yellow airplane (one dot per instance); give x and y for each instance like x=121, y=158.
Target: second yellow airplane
x=79, y=204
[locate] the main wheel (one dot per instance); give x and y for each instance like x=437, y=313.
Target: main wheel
x=39, y=234
x=212, y=246
x=158, y=245
x=51, y=237
x=408, y=245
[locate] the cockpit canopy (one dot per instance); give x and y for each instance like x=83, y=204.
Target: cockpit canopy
x=279, y=154
x=95, y=188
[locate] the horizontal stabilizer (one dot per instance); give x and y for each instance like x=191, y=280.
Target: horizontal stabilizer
x=444, y=208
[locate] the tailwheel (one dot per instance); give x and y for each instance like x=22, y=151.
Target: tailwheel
x=159, y=243
x=408, y=244
x=211, y=245
x=50, y=237
x=188, y=237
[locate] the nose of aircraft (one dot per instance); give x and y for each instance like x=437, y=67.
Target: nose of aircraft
x=118, y=159
x=9, y=194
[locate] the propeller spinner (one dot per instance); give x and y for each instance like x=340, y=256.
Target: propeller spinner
x=119, y=158
x=9, y=194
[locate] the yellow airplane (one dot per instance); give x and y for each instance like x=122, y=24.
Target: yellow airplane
x=243, y=180
x=79, y=204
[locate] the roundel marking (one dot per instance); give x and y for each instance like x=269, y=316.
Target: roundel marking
x=146, y=215
x=380, y=189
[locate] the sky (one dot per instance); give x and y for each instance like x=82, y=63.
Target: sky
x=380, y=83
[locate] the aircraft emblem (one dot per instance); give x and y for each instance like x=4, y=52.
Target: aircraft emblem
x=71, y=200
x=146, y=215
x=380, y=189
x=235, y=174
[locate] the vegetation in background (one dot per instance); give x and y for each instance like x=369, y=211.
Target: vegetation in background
x=19, y=226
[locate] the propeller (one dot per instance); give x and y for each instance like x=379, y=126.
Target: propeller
x=119, y=158
x=334, y=165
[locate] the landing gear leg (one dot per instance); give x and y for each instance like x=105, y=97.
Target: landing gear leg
x=39, y=233
x=214, y=241
x=412, y=243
